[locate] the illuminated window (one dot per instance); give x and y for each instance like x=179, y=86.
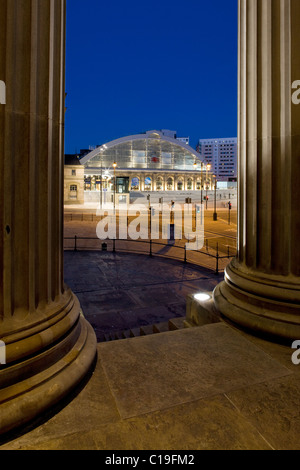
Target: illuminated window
x=159, y=184
x=179, y=185
x=148, y=184
x=135, y=184
x=169, y=184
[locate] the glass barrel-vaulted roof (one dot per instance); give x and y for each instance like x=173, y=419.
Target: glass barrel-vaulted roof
x=151, y=150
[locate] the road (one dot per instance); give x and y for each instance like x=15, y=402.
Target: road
x=219, y=237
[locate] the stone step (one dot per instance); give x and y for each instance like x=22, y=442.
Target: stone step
x=161, y=327
x=176, y=323
x=170, y=325
x=118, y=335
x=126, y=334
x=146, y=330
x=135, y=332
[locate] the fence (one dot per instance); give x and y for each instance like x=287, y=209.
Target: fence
x=170, y=250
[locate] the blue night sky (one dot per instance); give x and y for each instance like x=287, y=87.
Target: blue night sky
x=134, y=66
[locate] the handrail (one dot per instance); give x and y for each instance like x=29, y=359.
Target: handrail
x=150, y=252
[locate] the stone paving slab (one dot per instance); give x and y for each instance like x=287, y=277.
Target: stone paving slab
x=276, y=402
x=231, y=395
x=154, y=373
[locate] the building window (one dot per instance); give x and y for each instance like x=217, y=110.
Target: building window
x=170, y=184
x=159, y=184
x=135, y=184
x=148, y=184
x=73, y=172
x=189, y=184
x=179, y=186
x=73, y=191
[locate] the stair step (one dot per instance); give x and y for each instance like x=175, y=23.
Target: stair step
x=161, y=327
x=126, y=334
x=101, y=338
x=146, y=330
x=135, y=332
x=176, y=323
x=171, y=325
x=118, y=335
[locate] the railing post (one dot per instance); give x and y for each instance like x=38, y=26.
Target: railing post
x=114, y=245
x=150, y=248
x=217, y=259
x=75, y=243
x=185, y=253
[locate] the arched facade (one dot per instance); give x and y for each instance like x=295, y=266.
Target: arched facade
x=145, y=162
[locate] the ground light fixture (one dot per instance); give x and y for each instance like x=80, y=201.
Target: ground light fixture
x=202, y=296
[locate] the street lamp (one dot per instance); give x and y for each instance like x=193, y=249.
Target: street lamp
x=115, y=185
x=215, y=215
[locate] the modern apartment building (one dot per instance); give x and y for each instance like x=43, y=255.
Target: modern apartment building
x=221, y=154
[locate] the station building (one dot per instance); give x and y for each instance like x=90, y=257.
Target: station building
x=149, y=162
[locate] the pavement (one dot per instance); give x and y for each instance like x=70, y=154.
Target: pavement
x=121, y=291
x=212, y=387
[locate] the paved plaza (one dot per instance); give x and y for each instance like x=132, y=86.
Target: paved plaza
x=126, y=291
x=204, y=388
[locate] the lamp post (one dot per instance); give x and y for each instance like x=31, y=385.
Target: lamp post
x=215, y=215
x=115, y=186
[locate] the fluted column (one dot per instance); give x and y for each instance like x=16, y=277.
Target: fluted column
x=49, y=346
x=262, y=285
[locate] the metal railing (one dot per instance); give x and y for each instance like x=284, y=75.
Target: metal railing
x=150, y=247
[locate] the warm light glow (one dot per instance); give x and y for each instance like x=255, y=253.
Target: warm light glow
x=115, y=165
x=202, y=297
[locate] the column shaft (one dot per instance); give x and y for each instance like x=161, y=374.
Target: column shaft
x=261, y=288
x=40, y=321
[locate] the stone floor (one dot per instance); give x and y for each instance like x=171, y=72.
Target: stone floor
x=121, y=291
x=210, y=387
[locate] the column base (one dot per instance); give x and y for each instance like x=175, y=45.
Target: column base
x=199, y=313
x=266, y=304
x=33, y=386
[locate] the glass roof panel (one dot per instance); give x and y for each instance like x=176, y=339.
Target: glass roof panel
x=153, y=153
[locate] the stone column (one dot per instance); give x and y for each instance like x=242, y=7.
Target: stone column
x=261, y=290
x=49, y=346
